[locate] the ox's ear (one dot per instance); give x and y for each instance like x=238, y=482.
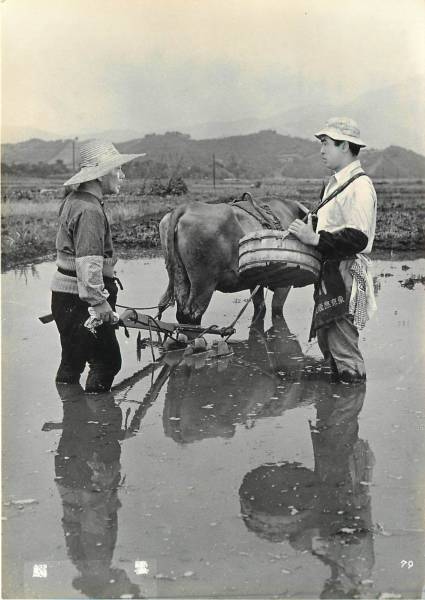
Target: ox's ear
x=302, y=210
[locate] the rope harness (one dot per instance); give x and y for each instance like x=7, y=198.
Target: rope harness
x=263, y=213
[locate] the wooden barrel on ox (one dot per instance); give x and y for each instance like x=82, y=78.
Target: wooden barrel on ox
x=274, y=259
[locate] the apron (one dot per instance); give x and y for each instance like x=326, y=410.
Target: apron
x=330, y=296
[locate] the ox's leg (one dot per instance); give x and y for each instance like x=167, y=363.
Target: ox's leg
x=192, y=301
x=258, y=302
x=259, y=309
x=182, y=312
x=199, y=299
x=279, y=298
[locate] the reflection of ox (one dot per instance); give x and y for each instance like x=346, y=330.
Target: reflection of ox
x=266, y=376
x=200, y=246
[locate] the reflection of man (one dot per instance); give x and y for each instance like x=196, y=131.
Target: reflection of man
x=326, y=511
x=87, y=467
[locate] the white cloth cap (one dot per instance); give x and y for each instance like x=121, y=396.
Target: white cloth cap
x=342, y=128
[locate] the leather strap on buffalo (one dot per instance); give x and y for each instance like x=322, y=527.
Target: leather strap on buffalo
x=264, y=214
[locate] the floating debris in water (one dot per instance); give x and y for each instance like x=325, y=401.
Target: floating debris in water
x=410, y=282
x=24, y=502
x=379, y=528
x=165, y=577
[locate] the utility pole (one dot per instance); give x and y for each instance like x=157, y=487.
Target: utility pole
x=74, y=153
x=214, y=170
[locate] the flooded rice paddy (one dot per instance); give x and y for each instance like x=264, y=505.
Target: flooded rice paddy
x=246, y=476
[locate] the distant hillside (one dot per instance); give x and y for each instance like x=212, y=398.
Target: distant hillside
x=387, y=116
x=258, y=155
x=13, y=135
x=36, y=150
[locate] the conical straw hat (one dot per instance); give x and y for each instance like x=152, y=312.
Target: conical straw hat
x=96, y=159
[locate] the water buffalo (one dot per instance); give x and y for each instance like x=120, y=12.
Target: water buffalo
x=200, y=245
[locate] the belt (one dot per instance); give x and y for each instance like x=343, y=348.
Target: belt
x=66, y=272
x=74, y=274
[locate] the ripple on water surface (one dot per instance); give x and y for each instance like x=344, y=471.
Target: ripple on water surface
x=249, y=475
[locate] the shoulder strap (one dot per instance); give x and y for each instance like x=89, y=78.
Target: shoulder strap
x=337, y=191
x=322, y=191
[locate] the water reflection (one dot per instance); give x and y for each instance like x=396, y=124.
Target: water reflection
x=26, y=272
x=267, y=375
x=87, y=468
x=325, y=511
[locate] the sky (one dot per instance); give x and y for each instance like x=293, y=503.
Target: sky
x=73, y=66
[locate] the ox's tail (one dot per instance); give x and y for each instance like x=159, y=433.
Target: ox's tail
x=173, y=262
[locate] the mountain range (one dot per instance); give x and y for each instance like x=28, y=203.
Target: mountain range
x=389, y=116
x=394, y=115
x=263, y=154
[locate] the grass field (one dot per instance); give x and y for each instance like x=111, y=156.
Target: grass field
x=30, y=206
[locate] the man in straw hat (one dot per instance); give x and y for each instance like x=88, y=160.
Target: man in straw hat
x=346, y=220
x=85, y=269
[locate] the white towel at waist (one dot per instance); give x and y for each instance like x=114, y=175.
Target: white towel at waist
x=362, y=303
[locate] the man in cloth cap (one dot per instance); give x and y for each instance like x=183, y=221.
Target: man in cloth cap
x=346, y=221
x=84, y=283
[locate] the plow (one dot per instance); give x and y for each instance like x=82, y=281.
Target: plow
x=171, y=336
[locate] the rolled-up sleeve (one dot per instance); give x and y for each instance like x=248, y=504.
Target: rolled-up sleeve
x=88, y=234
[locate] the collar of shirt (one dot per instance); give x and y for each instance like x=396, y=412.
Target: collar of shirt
x=344, y=175
x=89, y=188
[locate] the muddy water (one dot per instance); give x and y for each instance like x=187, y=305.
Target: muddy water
x=251, y=475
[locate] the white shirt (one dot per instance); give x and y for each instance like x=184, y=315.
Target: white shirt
x=354, y=207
